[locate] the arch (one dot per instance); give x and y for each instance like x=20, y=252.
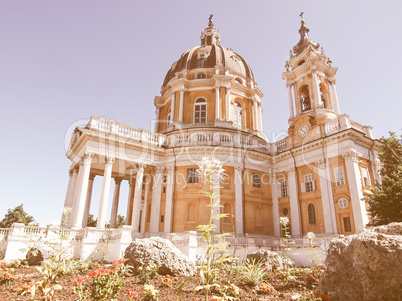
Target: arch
x=227, y=209
x=311, y=214
x=191, y=213
x=201, y=76
x=324, y=95
x=305, y=98
x=256, y=180
x=200, y=111
x=237, y=115
x=239, y=80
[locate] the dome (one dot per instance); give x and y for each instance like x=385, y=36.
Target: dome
x=210, y=55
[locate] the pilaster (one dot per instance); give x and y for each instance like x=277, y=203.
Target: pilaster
x=169, y=197
x=156, y=200
x=239, y=199
x=294, y=202
x=275, y=204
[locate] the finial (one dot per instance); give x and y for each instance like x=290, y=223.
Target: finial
x=210, y=23
x=329, y=61
x=287, y=66
x=302, y=20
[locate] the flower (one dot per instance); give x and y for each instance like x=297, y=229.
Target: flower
x=284, y=220
x=310, y=235
x=79, y=281
x=139, y=268
x=118, y=262
x=132, y=294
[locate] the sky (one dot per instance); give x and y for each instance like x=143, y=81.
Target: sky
x=63, y=61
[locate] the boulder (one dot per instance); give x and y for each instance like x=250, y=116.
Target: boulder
x=47, y=249
x=366, y=266
x=161, y=252
x=271, y=259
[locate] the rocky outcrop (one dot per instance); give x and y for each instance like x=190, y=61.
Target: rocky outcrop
x=161, y=252
x=48, y=249
x=366, y=266
x=272, y=260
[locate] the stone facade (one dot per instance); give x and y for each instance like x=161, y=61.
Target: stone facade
x=210, y=105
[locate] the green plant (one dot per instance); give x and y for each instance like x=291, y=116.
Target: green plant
x=216, y=253
x=286, y=243
x=147, y=273
x=253, y=273
x=150, y=292
x=7, y=274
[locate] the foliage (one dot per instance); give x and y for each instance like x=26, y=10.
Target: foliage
x=150, y=272
x=216, y=253
x=253, y=273
x=91, y=222
x=121, y=220
x=385, y=202
x=17, y=215
x=287, y=262
x=7, y=274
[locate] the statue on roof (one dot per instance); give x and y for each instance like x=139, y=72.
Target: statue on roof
x=210, y=23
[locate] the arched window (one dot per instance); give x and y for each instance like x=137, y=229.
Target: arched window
x=169, y=116
x=311, y=214
x=227, y=209
x=237, y=115
x=191, y=212
x=323, y=95
x=256, y=180
x=201, y=76
x=200, y=111
x=305, y=98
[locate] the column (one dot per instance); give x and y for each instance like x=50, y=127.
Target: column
x=68, y=202
x=356, y=191
x=275, y=204
x=115, y=204
x=173, y=105
x=145, y=207
x=316, y=87
x=297, y=101
x=259, y=117
x=105, y=193
x=181, y=106
x=334, y=96
x=88, y=201
x=135, y=221
x=158, y=110
x=217, y=200
x=81, y=191
x=294, y=203
x=291, y=110
x=326, y=196
x=239, y=200
x=169, y=197
x=217, y=104
x=156, y=200
x=254, y=114
x=129, y=214
x=228, y=115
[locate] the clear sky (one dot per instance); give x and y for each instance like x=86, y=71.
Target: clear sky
x=63, y=61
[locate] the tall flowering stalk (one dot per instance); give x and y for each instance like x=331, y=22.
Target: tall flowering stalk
x=288, y=262
x=216, y=253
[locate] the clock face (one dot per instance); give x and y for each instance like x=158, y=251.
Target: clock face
x=303, y=131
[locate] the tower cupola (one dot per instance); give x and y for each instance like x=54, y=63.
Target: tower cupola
x=210, y=36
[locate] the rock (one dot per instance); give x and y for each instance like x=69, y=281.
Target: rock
x=46, y=249
x=161, y=252
x=366, y=266
x=271, y=259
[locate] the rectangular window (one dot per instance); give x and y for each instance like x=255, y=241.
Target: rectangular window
x=339, y=176
x=346, y=224
x=164, y=189
x=284, y=189
x=309, y=183
x=162, y=218
x=192, y=176
x=365, y=177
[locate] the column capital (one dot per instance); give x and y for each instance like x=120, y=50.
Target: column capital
x=141, y=167
x=321, y=164
x=92, y=176
x=351, y=156
x=159, y=169
x=118, y=180
x=332, y=81
x=109, y=160
x=238, y=168
x=70, y=172
x=291, y=171
x=170, y=169
x=289, y=85
x=87, y=157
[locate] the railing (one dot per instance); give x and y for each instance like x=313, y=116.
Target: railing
x=281, y=145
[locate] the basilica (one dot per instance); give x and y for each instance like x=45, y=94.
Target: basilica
x=210, y=105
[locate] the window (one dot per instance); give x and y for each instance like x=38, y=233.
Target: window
x=192, y=175
x=284, y=189
x=305, y=98
x=285, y=211
x=201, y=76
x=365, y=177
x=169, y=116
x=162, y=218
x=256, y=180
x=308, y=184
x=339, y=176
x=346, y=224
x=200, y=111
x=311, y=214
x=237, y=115
x=164, y=189
x=343, y=203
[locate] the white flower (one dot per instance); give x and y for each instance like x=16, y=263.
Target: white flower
x=296, y=297
x=284, y=220
x=310, y=235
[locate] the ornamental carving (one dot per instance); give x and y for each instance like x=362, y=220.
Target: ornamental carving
x=87, y=157
x=159, y=169
x=352, y=156
x=321, y=164
x=109, y=160
x=291, y=171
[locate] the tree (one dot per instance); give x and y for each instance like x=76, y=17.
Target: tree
x=91, y=221
x=385, y=202
x=17, y=215
x=121, y=220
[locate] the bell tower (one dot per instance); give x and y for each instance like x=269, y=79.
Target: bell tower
x=310, y=80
